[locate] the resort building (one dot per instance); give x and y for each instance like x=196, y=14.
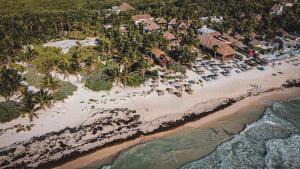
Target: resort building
x=277, y=9
x=172, y=24
x=216, y=19
x=182, y=28
x=258, y=17
x=204, y=30
x=149, y=26
x=125, y=7
x=223, y=50
x=172, y=41
x=162, y=22
x=160, y=57
x=141, y=18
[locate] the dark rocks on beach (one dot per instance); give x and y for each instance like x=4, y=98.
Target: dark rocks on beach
x=291, y=83
x=57, y=147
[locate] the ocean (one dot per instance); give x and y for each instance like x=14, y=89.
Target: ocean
x=256, y=138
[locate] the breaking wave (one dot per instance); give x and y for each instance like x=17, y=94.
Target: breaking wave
x=271, y=142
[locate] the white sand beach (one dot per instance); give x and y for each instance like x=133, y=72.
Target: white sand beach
x=88, y=120
x=256, y=102
x=153, y=109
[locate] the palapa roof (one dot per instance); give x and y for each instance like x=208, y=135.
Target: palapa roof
x=162, y=21
x=229, y=38
x=275, y=7
x=141, y=17
x=238, y=37
x=158, y=53
x=169, y=36
x=125, y=7
x=182, y=25
x=258, y=17
x=173, y=22
x=214, y=34
x=209, y=42
x=150, y=25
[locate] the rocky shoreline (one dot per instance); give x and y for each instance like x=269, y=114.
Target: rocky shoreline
x=105, y=128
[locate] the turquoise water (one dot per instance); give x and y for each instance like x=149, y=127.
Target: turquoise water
x=272, y=141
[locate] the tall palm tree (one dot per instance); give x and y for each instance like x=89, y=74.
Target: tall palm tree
x=55, y=62
x=50, y=83
x=29, y=104
x=64, y=66
x=10, y=82
x=29, y=54
x=43, y=98
x=144, y=66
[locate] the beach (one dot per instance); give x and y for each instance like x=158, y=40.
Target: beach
x=90, y=120
x=252, y=104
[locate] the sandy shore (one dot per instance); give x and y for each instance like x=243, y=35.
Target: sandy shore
x=90, y=120
x=250, y=103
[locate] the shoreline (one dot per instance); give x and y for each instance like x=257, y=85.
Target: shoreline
x=110, y=126
x=109, y=153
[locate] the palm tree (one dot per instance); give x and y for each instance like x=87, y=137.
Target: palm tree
x=10, y=82
x=43, y=98
x=74, y=66
x=215, y=49
x=144, y=66
x=29, y=54
x=55, y=62
x=29, y=104
x=64, y=66
x=50, y=83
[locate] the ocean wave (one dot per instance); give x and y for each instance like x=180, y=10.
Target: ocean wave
x=271, y=142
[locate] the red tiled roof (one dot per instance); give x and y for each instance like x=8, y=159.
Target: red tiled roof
x=141, y=17
x=125, y=7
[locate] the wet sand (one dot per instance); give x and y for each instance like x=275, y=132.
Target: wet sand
x=250, y=104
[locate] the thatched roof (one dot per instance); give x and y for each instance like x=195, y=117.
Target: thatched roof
x=125, y=7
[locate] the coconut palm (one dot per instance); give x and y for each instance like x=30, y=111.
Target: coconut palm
x=144, y=66
x=29, y=104
x=55, y=62
x=29, y=54
x=43, y=98
x=64, y=66
x=10, y=81
x=50, y=83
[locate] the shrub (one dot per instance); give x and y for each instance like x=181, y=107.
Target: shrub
x=65, y=89
x=134, y=80
x=9, y=110
x=96, y=82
